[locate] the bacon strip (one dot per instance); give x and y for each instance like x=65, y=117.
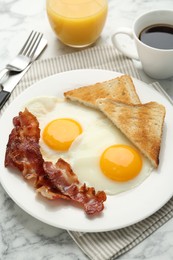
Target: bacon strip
x=64, y=179
x=23, y=151
x=51, y=181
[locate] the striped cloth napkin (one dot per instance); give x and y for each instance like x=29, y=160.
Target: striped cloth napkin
x=105, y=245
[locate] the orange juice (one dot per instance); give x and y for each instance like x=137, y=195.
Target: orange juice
x=77, y=23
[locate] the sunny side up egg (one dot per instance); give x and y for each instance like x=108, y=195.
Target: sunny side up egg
x=61, y=122
x=104, y=158
x=99, y=154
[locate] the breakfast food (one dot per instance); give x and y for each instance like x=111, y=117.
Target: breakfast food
x=52, y=181
x=142, y=124
x=120, y=89
x=54, y=116
x=71, y=150
x=90, y=158
x=90, y=127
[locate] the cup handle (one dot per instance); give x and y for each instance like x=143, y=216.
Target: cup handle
x=124, y=49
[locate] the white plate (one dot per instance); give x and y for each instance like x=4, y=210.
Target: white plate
x=121, y=210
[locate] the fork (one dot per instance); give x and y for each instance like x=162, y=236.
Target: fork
x=24, y=57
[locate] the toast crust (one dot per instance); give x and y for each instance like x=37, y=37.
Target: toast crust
x=142, y=124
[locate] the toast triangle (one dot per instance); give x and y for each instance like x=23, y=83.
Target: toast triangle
x=120, y=89
x=142, y=124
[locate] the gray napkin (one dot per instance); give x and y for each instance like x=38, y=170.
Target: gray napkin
x=105, y=245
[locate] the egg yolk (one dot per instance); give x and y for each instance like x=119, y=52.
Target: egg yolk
x=121, y=163
x=60, y=133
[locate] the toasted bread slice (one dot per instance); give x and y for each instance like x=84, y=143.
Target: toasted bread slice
x=142, y=124
x=120, y=89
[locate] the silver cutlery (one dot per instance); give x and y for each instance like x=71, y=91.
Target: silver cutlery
x=25, y=55
x=13, y=80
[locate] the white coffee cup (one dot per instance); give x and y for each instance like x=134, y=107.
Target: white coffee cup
x=157, y=63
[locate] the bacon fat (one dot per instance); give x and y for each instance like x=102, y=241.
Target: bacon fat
x=52, y=181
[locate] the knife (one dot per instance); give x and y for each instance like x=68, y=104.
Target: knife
x=13, y=80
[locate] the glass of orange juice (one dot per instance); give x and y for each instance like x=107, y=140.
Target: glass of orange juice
x=77, y=23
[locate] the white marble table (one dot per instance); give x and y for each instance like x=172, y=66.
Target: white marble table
x=21, y=236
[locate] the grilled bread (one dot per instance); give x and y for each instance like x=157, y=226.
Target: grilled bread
x=120, y=89
x=142, y=124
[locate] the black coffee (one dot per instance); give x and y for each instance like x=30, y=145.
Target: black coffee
x=158, y=36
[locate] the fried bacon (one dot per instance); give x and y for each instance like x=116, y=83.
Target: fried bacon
x=64, y=179
x=23, y=151
x=52, y=181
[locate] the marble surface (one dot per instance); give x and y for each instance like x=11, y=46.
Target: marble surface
x=22, y=236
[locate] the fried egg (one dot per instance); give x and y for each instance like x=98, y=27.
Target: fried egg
x=99, y=154
x=61, y=122
x=104, y=158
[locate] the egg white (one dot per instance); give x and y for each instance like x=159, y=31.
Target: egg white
x=48, y=108
x=85, y=152
x=85, y=155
